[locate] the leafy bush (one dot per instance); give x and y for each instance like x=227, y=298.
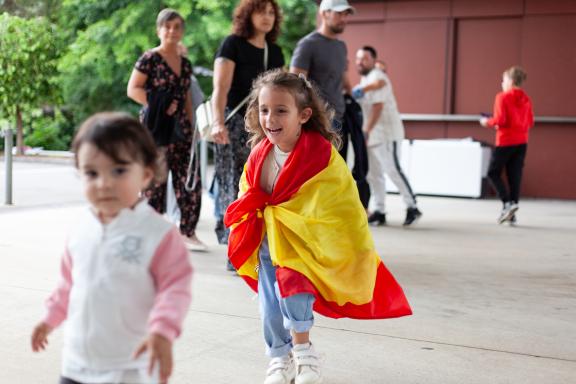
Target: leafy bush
x=51, y=133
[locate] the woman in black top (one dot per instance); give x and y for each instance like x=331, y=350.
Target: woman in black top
x=239, y=60
x=160, y=82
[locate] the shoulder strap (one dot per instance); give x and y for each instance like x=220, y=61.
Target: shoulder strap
x=265, y=55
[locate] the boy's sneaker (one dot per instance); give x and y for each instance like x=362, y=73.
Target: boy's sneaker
x=412, y=216
x=377, y=218
x=508, y=211
x=281, y=370
x=512, y=220
x=307, y=364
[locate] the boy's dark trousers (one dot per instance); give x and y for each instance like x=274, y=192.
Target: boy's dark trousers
x=510, y=158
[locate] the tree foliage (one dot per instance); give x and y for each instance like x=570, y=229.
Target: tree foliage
x=109, y=35
x=87, y=48
x=29, y=50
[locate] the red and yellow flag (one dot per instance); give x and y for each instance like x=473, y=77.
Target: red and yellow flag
x=317, y=231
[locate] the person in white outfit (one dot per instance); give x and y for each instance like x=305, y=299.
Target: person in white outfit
x=384, y=133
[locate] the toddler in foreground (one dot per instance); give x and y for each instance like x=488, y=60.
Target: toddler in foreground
x=125, y=276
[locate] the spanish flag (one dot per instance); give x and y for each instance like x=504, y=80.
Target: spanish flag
x=317, y=233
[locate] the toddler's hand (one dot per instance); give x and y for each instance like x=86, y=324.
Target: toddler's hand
x=357, y=92
x=160, y=350
x=40, y=337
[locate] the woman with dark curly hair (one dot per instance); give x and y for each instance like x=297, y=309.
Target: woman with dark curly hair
x=239, y=60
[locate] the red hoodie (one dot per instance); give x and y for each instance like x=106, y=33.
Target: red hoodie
x=513, y=117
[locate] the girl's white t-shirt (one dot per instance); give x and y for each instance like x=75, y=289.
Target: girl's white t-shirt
x=271, y=168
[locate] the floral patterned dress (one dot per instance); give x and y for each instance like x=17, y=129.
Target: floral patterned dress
x=177, y=153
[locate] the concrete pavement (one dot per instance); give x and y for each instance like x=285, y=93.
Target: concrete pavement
x=492, y=304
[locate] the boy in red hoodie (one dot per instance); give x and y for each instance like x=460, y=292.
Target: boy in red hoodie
x=512, y=119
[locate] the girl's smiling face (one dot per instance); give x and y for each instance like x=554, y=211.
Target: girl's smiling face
x=280, y=117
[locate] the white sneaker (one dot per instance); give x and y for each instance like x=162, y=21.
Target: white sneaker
x=281, y=370
x=507, y=212
x=307, y=364
x=193, y=243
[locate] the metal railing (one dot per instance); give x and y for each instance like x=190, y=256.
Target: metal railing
x=8, y=144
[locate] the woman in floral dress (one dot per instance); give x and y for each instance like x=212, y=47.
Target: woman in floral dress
x=160, y=82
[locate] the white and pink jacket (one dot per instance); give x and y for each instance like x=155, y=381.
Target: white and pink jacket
x=120, y=282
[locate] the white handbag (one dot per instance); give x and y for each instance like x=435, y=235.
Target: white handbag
x=205, y=116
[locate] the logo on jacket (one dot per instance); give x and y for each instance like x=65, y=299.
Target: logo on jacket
x=129, y=250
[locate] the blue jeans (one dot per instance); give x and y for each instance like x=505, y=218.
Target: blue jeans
x=280, y=315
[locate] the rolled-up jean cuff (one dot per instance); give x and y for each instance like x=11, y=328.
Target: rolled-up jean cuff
x=279, y=351
x=298, y=326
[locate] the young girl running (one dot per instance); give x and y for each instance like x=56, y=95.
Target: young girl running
x=299, y=234
x=125, y=284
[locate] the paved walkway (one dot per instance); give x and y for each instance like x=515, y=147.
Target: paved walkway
x=492, y=304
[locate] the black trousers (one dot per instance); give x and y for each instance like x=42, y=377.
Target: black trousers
x=351, y=129
x=510, y=158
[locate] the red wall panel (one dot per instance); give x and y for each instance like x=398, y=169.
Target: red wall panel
x=417, y=9
x=432, y=64
x=484, y=49
x=550, y=6
x=475, y=8
x=549, y=57
x=415, y=52
x=370, y=12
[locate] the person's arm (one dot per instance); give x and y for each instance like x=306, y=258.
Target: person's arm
x=347, y=87
x=223, y=75
x=172, y=273
x=379, y=83
x=136, y=90
x=372, y=119
x=498, y=119
x=530, y=115
x=301, y=58
x=57, y=306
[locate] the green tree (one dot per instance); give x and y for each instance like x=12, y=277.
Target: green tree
x=105, y=37
x=29, y=49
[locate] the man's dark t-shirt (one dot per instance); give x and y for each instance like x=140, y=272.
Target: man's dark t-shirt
x=325, y=60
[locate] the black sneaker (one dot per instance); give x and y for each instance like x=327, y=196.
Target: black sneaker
x=412, y=216
x=377, y=218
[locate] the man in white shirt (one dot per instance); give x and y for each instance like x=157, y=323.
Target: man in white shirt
x=384, y=133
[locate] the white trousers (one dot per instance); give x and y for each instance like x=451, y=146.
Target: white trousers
x=384, y=159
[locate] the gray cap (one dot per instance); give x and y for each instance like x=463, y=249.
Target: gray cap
x=336, y=5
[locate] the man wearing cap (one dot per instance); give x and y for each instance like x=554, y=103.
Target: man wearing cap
x=322, y=57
